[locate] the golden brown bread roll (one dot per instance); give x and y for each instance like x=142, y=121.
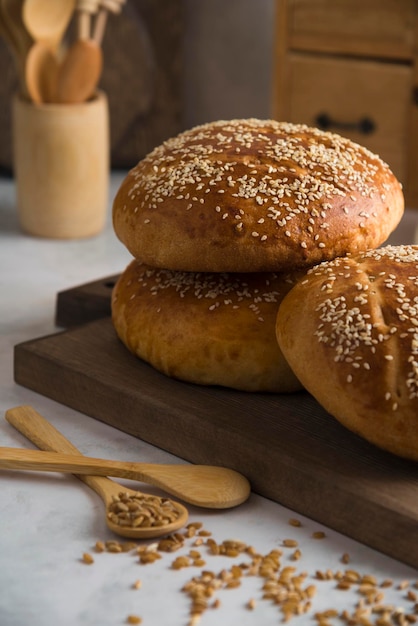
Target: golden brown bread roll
x=349, y=330
x=211, y=329
x=255, y=196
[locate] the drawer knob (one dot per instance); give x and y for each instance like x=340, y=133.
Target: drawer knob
x=365, y=125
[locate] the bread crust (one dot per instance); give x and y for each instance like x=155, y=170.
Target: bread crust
x=349, y=330
x=210, y=329
x=255, y=196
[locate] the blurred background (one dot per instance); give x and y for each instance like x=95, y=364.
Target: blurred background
x=171, y=64
x=228, y=59
x=347, y=66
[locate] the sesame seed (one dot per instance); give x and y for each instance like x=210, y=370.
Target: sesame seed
x=351, y=327
x=220, y=290
x=304, y=172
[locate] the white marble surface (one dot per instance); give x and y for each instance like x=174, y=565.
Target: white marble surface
x=47, y=521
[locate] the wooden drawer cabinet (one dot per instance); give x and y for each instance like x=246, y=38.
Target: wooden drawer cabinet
x=383, y=28
x=325, y=92
x=349, y=66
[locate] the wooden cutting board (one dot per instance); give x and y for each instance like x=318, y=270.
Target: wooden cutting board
x=291, y=450
x=84, y=303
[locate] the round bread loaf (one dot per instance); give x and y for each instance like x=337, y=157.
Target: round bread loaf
x=255, y=196
x=349, y=330
x=211, y=329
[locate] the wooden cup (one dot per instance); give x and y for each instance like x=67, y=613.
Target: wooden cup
x=61, y=159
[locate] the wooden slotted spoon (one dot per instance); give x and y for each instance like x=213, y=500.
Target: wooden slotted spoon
x=43, y=434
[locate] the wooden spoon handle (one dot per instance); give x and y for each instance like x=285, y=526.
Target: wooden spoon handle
x=38, y=430
x=85, y=8
x=106, y=7
x=83, y=25
x=100, y=26
x=21, y=459
x=44, y=435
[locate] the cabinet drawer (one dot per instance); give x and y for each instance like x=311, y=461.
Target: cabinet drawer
x=340, y=94
x=379, y=28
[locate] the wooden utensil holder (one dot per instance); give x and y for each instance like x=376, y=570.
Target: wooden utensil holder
x=61, y=167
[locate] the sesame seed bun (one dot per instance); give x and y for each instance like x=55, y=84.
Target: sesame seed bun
x=211, y=329
x=255, y=196
x=349, y=330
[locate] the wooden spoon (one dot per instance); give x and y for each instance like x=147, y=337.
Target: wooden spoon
x=41, y=73
x=43, y=434
x=80, y=72
x=47, y=20
x=82, y=66
x=201, y=485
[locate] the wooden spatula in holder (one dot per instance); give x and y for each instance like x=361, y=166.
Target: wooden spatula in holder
x=82, y=67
